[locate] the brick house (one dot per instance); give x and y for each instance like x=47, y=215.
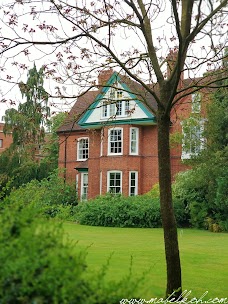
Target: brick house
x=108, y=143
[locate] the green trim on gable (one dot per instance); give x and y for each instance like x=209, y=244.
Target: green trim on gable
x=97, y=125
x=139, y=103
x=115, y=77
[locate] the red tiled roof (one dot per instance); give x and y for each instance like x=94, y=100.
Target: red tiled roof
x=80, y=106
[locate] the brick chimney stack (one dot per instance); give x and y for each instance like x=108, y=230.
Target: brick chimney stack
x=104, y=76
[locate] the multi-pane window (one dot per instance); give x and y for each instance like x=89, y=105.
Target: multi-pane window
x=127, y=107
x=133, y=183
x=112, y=109
x=115, y=182
x=104, y=109
x=119, y=107
x=134, y=141
x=193, y=140
x=1, y=143
x=115, y=140
x=83, y=149
x=84, y=186
x=115, y=104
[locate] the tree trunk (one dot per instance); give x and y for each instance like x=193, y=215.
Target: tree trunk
x=173, y=266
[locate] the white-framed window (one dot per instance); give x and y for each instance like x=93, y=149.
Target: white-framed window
x=84, y=186
x=114, y=184
x=115, y=105
x=115, y=141
x=76, y=183
x=104, y=109
x=127, y=107
x=100, y=182
x=196, y=102
x=134, y=141
x=83, y=148
x=192, y=140
x=1, y=143
x=133, y=183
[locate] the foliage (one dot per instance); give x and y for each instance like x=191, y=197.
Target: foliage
x=27, y=123
x=119, y=211
x=17, y=167
x=51, y=145
x=204, y=188
x=38, y=265
x=140, y=52
x=51, y=197
x=203, y=191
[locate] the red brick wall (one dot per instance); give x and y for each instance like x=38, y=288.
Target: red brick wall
x=5, y=139
x=146, y=162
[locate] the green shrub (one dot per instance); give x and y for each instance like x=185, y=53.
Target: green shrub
x=202, y=196
x=119, y=211
x=38, y=265
x=51, y=197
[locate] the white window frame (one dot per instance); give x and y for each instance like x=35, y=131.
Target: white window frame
x=104, y=109
x=109, y=141
x=188, y=153
x=108, y=181
x=84, y=186
x=100, y=182
x=78, y=148
x=131, y=141
x=76, y=182
x=1, y=143
x=110, y=106
x=136, y=183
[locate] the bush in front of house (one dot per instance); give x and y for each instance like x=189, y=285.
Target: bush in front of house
x=119, y=211
x=39, y=265
x=51, y=197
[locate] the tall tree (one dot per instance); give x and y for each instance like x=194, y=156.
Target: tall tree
x=28, y=122
x=136, y=36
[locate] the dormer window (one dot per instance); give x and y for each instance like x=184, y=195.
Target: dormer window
x=115, y=105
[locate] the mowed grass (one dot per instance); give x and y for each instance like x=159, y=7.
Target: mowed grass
x=204, y=257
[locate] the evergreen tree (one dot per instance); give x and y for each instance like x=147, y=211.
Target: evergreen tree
x=27, y=124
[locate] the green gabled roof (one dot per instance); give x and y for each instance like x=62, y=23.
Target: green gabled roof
x=115, y=78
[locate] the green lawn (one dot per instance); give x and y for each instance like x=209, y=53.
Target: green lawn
x=204, y=257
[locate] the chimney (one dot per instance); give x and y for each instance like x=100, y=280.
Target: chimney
x=104, y=76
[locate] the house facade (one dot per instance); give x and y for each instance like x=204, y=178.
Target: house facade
x=108, y=143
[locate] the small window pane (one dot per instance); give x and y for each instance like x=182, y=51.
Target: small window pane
x=83, y=149
x=114, y=182
x=84, y=186
x=133, y=141
x=133, y=180
x=115, y=141
x=127, y=107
